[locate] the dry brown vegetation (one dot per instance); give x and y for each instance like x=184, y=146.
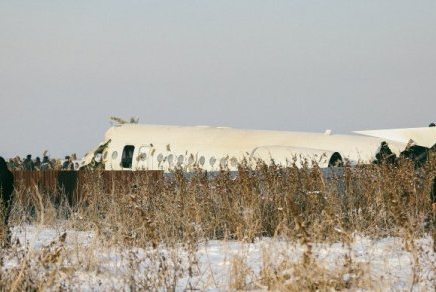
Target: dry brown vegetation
x=296, y=205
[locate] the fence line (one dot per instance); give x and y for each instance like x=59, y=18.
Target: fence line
x=72, y=183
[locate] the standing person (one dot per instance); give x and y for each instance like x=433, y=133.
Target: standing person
x=28, y=163
x=45, y=164
x=6, y=189
x=37, y=163
x=385, y=155
x=68, y=164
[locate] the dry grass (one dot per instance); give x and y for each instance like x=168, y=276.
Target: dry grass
x=297, y=205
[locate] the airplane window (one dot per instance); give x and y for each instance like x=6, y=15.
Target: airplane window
x=212, y=161
x=160, y=157
x=127, y=157
x=143, y=153
x=233, y=161
x=114, y=155
x=191, y=159
x=223, y=162
x=105, y=155
x=170, y=159
x=180, y=159
x=202, y=160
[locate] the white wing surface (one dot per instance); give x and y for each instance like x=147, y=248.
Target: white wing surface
x=425, y=137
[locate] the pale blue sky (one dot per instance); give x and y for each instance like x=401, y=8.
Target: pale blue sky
x=66, y=66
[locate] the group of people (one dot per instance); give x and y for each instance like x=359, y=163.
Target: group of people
x=418, y=154
x=45, y=164
x=7, y=184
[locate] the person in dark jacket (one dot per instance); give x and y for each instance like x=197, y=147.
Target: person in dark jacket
x=45, y=164
x=28, y=163
x=6, y=191
x=68, y=164
x=385, y=155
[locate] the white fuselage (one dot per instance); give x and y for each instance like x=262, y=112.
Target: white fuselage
x=158, y=147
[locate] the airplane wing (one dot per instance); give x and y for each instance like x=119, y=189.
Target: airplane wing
x=425, y=137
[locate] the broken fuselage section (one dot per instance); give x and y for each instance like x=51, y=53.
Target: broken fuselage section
x=160, y=147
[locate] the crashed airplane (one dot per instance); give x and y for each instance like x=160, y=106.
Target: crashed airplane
x=132, y=146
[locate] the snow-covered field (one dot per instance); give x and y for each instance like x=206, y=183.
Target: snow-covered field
x=81, y=260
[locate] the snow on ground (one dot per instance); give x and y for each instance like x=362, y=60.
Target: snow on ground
x=88, y=264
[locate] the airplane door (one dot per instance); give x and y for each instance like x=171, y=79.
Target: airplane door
x=127, y=157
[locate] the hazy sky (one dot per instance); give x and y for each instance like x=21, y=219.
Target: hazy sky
x=66, y=66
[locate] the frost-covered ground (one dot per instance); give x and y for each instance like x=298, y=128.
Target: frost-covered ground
x=84, y=262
